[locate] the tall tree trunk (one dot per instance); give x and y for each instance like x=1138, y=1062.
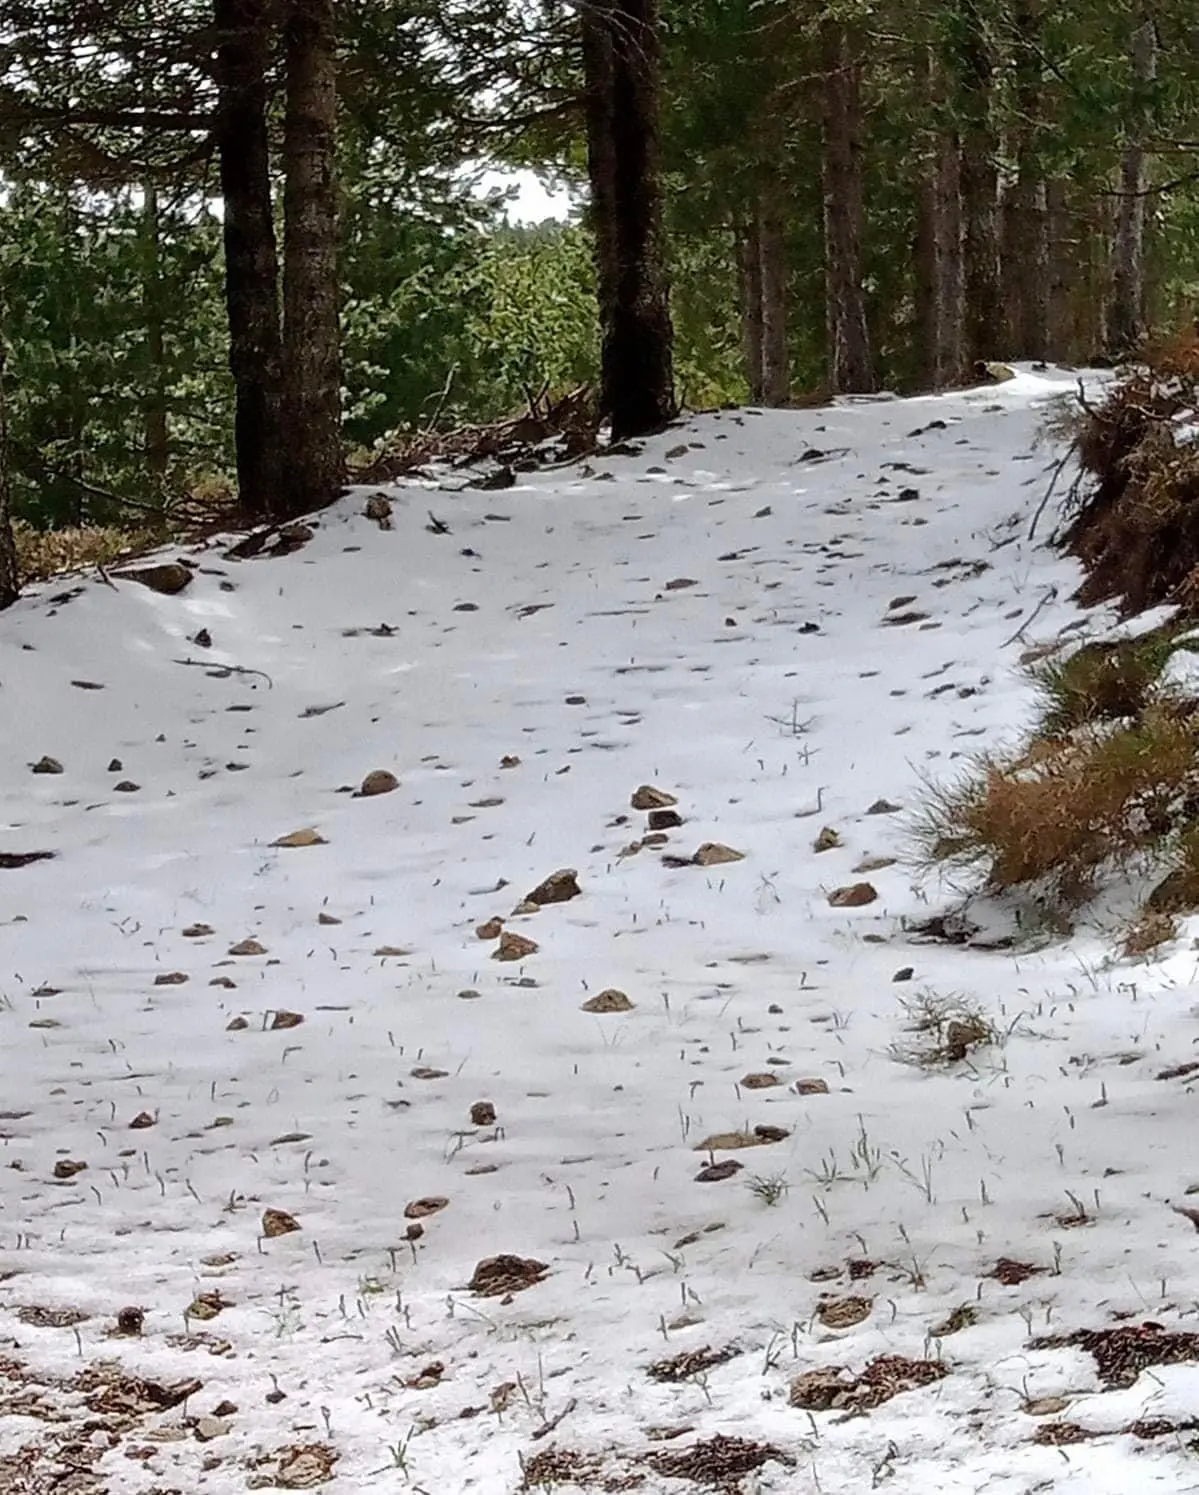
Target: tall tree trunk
x=938, y=248
x=776, y=298
x=1125, y=322
x=979, y=187
x=251, y=261
x=156, y=430
x=851, y=363
x=621, y=67
x=1062, y=250
x=315, y=465
x=10, y=578
x=1024, y=215
x=749, y=280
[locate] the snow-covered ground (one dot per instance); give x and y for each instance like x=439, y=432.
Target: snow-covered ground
x=785, y=620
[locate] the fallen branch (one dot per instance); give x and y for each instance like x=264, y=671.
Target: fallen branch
x=1049, y=597
x=223, y=671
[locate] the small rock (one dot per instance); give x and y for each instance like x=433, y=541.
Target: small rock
x=811, y=1086
x=608, y=1001
x=904, y=973
x=171, y=978
x=236, y=1025
x=715, y=1173
x=378, y=781
x=305, y=837
x=525, y=906
x=115, y=765
x=130, y=1321
x=47, y=765
x=224, y=1409
x=277, y=1222
x=647, y=797
x=819, y=1390
x=247, y=947
x=883, y=807
x=760, y=1081
x=324, y=918
x=208, y=1428
x=491, y=930
x=497, y=1276
x=482, y=1113
x=141, y=1121
x=514, y=947
x=469, y=994
x=225, y=981
x=844, y=1313
x=378, y=508
x=167, y=578
x=421, y=1209
x=285, y=1019
x=714, y=853
x=198, y=931
x=856, y=895
x=827, y=840
x=126, y=786
x=558, y=887
x=426, y=1072
x=509, y=760
x=68, y=1168
x=875, y=864
x=414, y=1231
x=664, y=820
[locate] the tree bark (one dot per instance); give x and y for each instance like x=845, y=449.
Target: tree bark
x=979, y=188
x=10, y=577
x=749, y=276
x=851, y=362
x=1125, y=322
x=315, y=464
x=776, y=347
x=621, y=65
x=1024, y=249
x=156, y=427
x=251, y=261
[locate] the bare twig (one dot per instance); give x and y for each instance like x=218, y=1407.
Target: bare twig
x=223, y=671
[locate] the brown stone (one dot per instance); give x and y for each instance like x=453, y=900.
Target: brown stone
x=378, y=781
x=856, y=895
x=276, y=1222
x=714, y=853
x=608, y=1001
x=647, y=797
x=558, y=887
x=514, y=947
x=167, y=577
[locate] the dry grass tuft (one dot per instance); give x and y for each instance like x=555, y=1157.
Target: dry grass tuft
x=1150, y=931
x=1052, y=819
x=942, y=1030
x=42, y=554
x=1101, y=682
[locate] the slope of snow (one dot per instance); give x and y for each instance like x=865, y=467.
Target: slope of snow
x=775, y=689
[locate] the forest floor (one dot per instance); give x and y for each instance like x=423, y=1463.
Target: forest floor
x=271, y=1112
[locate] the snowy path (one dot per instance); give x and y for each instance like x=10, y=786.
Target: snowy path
x=723, y=617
